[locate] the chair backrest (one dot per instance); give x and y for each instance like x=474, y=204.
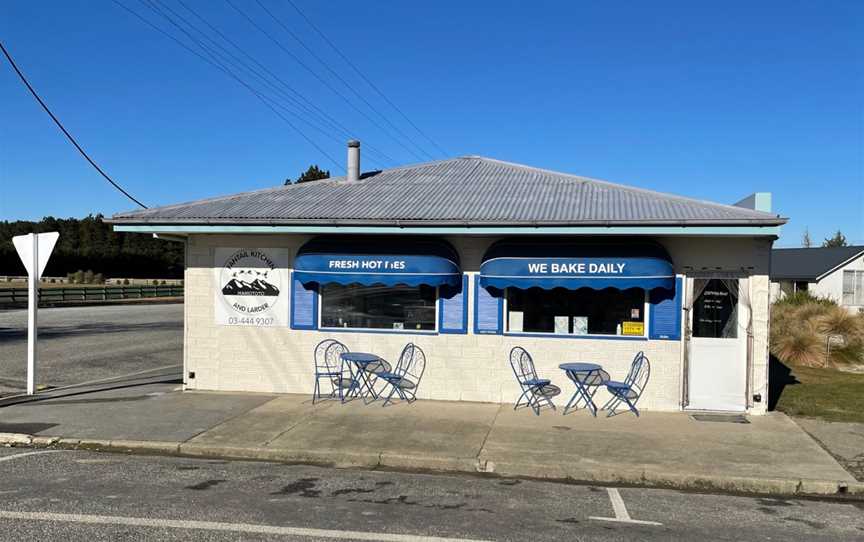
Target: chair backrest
x=640, y=370
x=522, y=365
x=327, y=356
x=412, y=363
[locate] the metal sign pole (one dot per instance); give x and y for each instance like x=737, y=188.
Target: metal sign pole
x=32, y=306
x=28, y=247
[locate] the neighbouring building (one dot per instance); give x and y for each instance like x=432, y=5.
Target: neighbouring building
x=833, y=272
x=467, y=258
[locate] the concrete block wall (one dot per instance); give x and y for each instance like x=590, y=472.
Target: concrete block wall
x=459, y=367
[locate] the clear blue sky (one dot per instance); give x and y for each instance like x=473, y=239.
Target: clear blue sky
x=709, y=100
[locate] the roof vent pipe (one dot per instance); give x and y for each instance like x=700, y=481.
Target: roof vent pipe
x=353, y=160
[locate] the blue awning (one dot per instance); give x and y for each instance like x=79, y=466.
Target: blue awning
x=387, y=261
x=573, y=265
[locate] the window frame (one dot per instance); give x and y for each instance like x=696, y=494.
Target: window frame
x=435, y=331
x=856, y=293
x=505, y=317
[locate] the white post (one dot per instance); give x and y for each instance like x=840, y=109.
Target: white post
x=32, y=302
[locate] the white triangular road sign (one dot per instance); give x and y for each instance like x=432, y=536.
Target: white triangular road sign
x=24, y=246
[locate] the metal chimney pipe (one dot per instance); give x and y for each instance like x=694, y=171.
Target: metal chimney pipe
x=353, y=160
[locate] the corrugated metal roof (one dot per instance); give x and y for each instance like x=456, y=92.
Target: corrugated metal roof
x=463, y=191
x=809, y=263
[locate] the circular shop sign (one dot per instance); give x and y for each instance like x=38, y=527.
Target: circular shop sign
x=250, y=282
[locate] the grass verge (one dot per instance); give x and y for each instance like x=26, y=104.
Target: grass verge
x=829, y=394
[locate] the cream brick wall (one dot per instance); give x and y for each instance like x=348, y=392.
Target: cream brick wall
x=459, y=367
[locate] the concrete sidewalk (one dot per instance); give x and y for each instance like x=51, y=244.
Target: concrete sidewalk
x=770, y=455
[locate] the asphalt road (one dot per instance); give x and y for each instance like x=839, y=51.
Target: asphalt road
x=81, y=495
x=81, y=344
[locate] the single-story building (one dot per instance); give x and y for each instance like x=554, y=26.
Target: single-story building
x=467, y=258
x=833, y=272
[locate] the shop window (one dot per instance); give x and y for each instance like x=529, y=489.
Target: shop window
x=715, y=312
x=576, y=312
x=853, y=287
x=399, y=307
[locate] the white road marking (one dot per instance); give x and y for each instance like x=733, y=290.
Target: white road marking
x=621, y=514
x=246, y=528
x=25, y=454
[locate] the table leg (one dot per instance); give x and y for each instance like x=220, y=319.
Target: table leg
x=582, y=394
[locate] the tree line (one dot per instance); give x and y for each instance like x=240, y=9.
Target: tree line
x=91, y=244
x=836, y=240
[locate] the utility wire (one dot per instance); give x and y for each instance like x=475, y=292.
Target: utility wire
x=321, y=79
x=363, y=76
x=63, y=129
x=227, y=72
x=304, y=103
x=336, y=74
x=227, y=63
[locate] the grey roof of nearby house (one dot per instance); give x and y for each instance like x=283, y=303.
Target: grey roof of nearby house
x=810, y=264
x=465, y=191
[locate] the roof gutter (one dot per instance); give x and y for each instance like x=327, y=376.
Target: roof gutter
x=779, y=221
x=711, y=231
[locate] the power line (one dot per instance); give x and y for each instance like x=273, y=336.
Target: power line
x=225, y=70
x=321, y=79
x=63, y=129
x=299, y=97
x=363, y=76
x=341, y=79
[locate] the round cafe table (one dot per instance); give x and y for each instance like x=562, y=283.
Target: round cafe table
x=587, y=377
x=359, y=376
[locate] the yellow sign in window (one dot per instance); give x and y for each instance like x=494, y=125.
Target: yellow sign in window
x=633, y=328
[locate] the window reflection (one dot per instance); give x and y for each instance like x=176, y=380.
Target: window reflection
x=378, y=307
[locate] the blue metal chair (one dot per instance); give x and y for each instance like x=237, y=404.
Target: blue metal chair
x=536, y=392
x=629, y=391
x=405, y=378
x=329, y=366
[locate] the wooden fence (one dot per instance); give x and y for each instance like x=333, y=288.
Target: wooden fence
x=54, y=296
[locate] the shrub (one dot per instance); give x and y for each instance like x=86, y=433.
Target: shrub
x=799, y=345
x=88, y=277
x=98, y=279
x=125, y=282
x=78, y=277
x=803, y=297
x=800, y=334
x=155, y=282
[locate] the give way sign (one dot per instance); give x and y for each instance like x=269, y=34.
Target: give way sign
x=43, y=245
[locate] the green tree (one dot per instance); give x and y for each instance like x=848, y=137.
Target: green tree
x=314, y=173
x=839, y=240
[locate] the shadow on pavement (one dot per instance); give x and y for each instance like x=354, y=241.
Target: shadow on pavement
x=174, y=376
x=55, y=332
x=27, y=428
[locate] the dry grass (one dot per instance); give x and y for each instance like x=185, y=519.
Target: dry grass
x=800, y=331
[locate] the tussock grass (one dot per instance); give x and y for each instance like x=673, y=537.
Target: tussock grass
x=800, y=329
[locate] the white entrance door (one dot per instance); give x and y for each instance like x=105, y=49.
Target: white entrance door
x=717, y=357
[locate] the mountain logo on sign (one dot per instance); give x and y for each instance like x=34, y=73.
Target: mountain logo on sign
x=250, y=284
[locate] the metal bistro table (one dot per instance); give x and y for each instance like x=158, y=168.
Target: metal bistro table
x=359, y=375
x=587, y=377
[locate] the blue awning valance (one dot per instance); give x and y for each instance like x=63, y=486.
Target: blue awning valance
x=573, y=265
x=387, y=261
